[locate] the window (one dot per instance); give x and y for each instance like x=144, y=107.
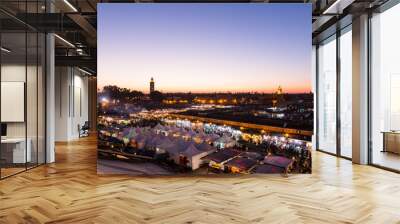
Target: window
x=327, y=95
x=22, y=89
x=385, y=89
x=346, y=93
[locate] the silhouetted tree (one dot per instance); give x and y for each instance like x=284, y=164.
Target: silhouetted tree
x=156, y=96
x=122, y=94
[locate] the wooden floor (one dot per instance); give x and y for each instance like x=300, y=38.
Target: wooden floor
x=5, y=172
x=70, y=191
x=387, y=159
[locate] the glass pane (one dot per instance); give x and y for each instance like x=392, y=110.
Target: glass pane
x=13, y=86
x=385, y=84
x=23, y=90
x=31, y=88
x=31, y=98
x=327, y=96
x=346, y=94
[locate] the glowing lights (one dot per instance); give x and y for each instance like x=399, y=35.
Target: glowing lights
x=5, y=50
x=70, y=5
x=85, y=72
x=104, y=100
x=64, y=40
x=337, y=7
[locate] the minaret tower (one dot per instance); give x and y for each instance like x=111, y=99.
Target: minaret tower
x=151, y=85
x=280, y=90
x=278, y=97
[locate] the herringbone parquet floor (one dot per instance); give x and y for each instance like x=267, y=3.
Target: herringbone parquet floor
x=70, y=191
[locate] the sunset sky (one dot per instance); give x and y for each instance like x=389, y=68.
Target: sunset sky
x=205, y=47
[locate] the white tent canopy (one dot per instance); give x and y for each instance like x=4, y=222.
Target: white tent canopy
x=191, y=151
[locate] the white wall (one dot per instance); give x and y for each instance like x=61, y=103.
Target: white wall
x=62, y=82
x=80, y=110
x=33, y=127
x=13, y=73
x=71, y=102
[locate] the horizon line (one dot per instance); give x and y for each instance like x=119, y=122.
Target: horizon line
x=99, y=90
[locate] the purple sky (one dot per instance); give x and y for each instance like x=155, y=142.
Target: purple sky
x=205, y=47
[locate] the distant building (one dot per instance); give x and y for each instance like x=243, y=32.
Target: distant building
x=278, y=98
x=279, y=91
x=151, y=85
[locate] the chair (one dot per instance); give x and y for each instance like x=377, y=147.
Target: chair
x=84, y=130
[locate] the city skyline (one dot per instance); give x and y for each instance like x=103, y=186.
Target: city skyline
x=152, y=88
x=202, y=48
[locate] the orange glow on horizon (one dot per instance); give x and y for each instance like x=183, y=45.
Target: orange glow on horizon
x=197, y=83
x=293, y=90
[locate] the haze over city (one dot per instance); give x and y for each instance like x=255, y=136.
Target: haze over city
x=205, y=47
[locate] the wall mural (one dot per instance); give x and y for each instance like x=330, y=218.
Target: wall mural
x=204, y=89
